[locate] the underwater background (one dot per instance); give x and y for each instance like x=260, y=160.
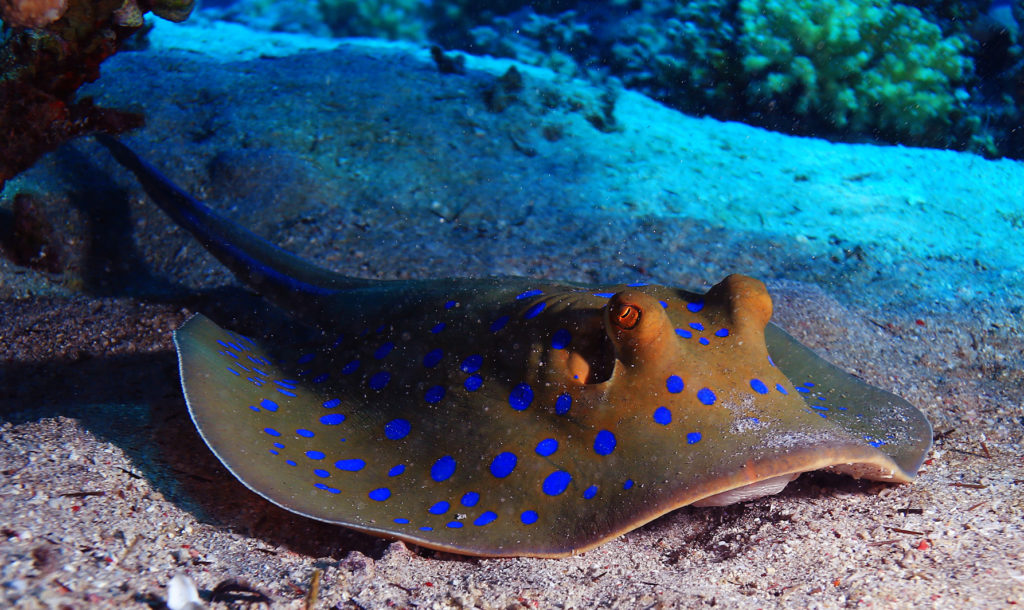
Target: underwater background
x=862, y=157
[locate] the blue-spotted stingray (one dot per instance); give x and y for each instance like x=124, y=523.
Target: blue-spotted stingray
x=511, y=416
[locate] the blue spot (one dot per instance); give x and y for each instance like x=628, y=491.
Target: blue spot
x=546, y=447
x=440, y=508
x=561, y=339
x=290, y=462
x=637, y=284
x=315, y=455
x=272, y=432
x=381, y=328
x=432, y=358
x=628, y=484
x=693, y=438
x=663, y=416
x=529, y=517
x=279, y=445
x=685, y=334
x=350, y=368
x=819, y=407
x=380, y=494
x=706, y=396
x=535, y=310
x=604, y=443
x=323, y=474
x=758, y=386
x=809, y=384
x=305, y=433
x=696, y=326
x=473, y=383
x=703, y=341
x=455, y=525
x=383, y=350
x=396, y=470
x=503, y=464
x=664, y=304
x=332, y=403
x=286, y=383
x=556, y=482
x=402, y=521
x=674, y=384
x=379, y=380
x=434, y=394
x=802, y=389
x=499, y=324
x=470, y=499
x=354, y=465
x=321, y=378
x=303, y=359
x=254, y=408
x=274, y=452
x=287, y=393
x=722, y=332
x=225, y=344
x=397, y=429
x=529, y=293
x=485, y=518
x=332, y=420
x=472, y=363
x=449, y=304
x=562, y=404
x=438, y=327
x=426, y=528
x=604, y=295
x=269, y=405
x=520, y=397
x=237, y=374
x=770, y=361
x=327, y=488
x=443, y=469
x=695, y=306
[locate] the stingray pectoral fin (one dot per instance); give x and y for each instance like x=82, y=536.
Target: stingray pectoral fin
x=258, y=422
x=883, y=420
x=228, y=382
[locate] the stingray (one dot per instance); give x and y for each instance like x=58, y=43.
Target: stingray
x=514, y=416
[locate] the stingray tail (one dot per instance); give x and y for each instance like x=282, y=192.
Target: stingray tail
x=266, y=268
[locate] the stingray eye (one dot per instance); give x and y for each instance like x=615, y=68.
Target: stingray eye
x=626, y=315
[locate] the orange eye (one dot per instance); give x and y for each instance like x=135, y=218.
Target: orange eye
x=626, y=316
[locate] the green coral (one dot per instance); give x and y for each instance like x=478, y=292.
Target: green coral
x=861, y=65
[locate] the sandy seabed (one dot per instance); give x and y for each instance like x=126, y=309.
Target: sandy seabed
x=901, y=265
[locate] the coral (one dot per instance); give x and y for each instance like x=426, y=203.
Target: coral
x=867, y=66
x=31, y=13
x=391, y=19
x=41, y=68
x=680, y=53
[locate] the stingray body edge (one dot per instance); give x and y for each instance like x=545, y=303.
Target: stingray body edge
x=515, y=417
